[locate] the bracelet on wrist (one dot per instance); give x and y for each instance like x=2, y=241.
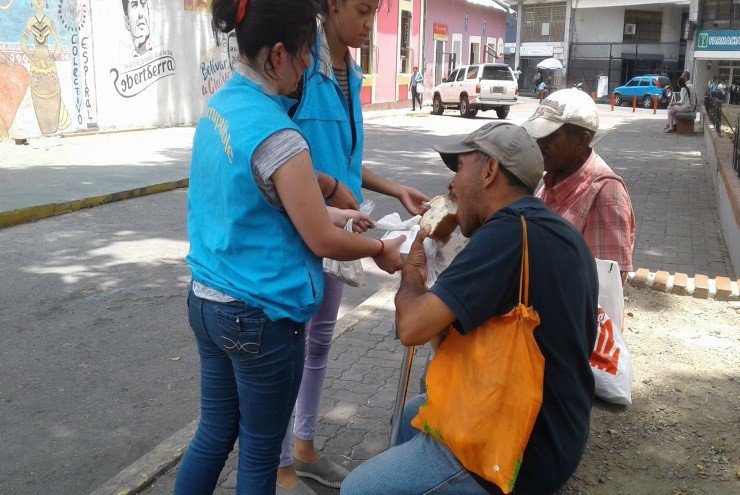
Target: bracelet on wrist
x=333, y=191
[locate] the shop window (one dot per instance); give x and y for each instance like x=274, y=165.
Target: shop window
x=491, y=52
x=719, y=14
x=407, y=53
x=474, y=53
x=544, y=22
x=457, y=51
x=473, y=72
x=642, y=26
x=367, y=55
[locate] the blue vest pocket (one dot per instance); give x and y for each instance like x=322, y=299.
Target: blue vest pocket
x=241, y=333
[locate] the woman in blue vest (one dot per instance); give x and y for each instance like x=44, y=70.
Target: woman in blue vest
x=329, y=114
x=258, y=229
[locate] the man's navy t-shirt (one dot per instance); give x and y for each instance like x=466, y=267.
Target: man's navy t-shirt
x=483, y=281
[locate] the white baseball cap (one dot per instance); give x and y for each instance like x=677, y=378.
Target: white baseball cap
x=567, y=106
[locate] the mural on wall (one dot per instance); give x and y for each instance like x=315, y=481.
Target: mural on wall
x=45, y=82
x=148, y=60
x=217, y=63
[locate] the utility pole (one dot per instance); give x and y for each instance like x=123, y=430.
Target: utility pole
x=517, y=57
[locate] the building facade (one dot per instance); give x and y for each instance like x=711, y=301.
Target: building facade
x=461, y=32
x=79, y=65
x=594, y=38
x=395, y=48
x=714, y=50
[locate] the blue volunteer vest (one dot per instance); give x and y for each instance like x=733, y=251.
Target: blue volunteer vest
x=324, y=118
x=239, y=243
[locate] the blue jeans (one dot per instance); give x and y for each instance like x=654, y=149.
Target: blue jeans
x=250, y=371
x=417, y=465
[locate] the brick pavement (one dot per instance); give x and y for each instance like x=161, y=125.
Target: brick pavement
x=677, y=230
x=672, y=194
x=359, y=392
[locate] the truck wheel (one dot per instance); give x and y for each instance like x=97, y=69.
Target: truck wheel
x=464, y=106
x=502, y=112
x=437, y=107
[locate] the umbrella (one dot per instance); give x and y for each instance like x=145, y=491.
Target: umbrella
x=550, y=63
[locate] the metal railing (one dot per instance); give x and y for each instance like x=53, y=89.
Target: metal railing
x=719, y=119
x=714, y=112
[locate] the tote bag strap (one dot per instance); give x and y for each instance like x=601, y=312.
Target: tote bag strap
x=524, y=273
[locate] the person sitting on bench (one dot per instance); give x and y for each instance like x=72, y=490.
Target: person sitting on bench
x=683, y=105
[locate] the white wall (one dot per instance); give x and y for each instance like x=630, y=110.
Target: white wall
x=169, y=84
x=606, y=25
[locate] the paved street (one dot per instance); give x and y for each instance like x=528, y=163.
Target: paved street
x=99, y=365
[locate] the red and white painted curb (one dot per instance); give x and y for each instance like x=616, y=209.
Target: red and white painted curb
x=699, y=286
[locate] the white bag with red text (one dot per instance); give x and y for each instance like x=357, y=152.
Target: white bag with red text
x=611, y=363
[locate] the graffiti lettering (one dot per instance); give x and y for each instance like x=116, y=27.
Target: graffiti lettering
x=213, y=68
x=133, y=81
x=214, y=83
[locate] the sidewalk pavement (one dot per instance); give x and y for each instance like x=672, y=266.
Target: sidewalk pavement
x=669, y=182
x=359, y=394
x=54, y=175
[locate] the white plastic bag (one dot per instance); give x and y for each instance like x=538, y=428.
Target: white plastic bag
x=611, y=297
x=611, y=361
x=349, y=272
x=439, y=254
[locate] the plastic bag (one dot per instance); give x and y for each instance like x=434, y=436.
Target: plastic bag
x=349, y=272
x=439, y=254
x=611, y=362
x=484, y=390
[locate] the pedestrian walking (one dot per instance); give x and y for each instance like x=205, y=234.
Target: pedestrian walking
x=328, y=111
x=417, y=88
x=258, y=228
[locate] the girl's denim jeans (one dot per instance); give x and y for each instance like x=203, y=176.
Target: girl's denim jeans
x=250, y=372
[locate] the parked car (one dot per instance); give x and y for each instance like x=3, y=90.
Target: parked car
x=645, y=88
x=477, y=87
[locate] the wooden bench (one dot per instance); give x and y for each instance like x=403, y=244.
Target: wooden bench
x=685, y=122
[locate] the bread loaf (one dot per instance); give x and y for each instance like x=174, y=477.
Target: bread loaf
x=440, y=218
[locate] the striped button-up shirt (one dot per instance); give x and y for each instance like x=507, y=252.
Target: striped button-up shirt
x=595, y=200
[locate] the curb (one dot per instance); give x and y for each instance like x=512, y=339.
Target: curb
x=161, y=458
x=31, y=213
x=699, y=286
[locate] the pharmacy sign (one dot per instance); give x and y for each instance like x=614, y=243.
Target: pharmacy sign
x=718, y=41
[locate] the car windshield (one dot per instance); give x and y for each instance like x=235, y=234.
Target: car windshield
x=491, y=73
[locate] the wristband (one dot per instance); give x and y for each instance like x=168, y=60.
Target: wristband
x=382, y=248
x=333, y=191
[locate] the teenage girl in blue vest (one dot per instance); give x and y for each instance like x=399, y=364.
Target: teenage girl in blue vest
x=258, y=228
x=329, y=114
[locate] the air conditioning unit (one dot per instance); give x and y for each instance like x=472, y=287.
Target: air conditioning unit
x=630, y=29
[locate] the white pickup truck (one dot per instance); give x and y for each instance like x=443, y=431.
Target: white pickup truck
x=477, y=87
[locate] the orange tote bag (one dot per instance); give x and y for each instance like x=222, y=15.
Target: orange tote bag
x=484, y=390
